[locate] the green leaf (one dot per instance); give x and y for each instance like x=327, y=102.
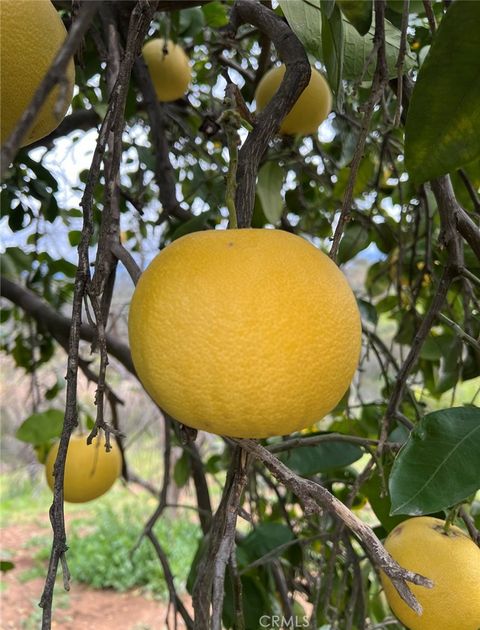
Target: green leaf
x=443, y=123
x=265, y=538
x=358, y=13
x=74, y=237
x=311, y=460
x=195, y=224
x=215, y=14
x=40, y=428
x=332, y=49
x=269, y=187
x=355, y=239
x=305, y=19
x=191, y=22
x=368, y=311
x=13, y=261
x=327, y=7
x=6, y=565
x=439, y=465
x=181, y=471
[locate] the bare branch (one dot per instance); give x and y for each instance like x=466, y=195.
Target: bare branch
x=209, y=583
x=125, y=257
x=58, y=324
x=379, y=81
x=316, y=497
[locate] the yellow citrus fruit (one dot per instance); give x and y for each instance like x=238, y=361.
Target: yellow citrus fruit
x=89, y=470
x=170, y=72
x=451, y=560
x=31, y=33
x=245, y=333
x=311, y=109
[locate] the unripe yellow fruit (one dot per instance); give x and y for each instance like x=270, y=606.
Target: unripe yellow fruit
x=170, y=73
x=31, y=34
x=245, y=333
x=310, y=110
x=89, y=470
x=451, y=560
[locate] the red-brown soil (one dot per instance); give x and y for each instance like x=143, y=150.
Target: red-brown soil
x=82, y=608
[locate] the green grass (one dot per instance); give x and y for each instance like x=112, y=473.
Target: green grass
x=102, y=535
x=107, y=556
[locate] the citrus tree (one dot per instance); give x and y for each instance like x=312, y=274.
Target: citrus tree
x=379, y=390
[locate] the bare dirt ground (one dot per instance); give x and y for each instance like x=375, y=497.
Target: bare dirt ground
x=82, y=608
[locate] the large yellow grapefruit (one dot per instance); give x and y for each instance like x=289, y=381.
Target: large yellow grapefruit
x=31, y=33
x=89, y=470
x=170, y=72
x=310, y=110
x=451, y=560
x=245, y=333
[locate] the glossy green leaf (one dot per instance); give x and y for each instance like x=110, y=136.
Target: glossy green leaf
x=443, y=123
x=358, y=13
x=355, y=239
x=311, y=460
x=269, y=187
x=40, y=428
x=327, y=7
x=305, y=18
x=332, y=48
x=439, y=466
x=215, y=14
x=368, y=311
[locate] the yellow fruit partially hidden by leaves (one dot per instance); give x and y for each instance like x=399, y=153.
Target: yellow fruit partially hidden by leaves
x=245, y=333
x=31, y=33
x=310, y=110
x=451, y=560
x=89, y=471
x=170, y=72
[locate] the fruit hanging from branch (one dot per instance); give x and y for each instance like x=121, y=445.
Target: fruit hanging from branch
x=448, y=557
x=245, y=333
x=311, y=109
x=31, y=34
x=169, y=68
x=89, y=470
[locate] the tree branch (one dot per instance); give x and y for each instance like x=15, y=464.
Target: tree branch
x=208, y=589
x=315, y=497
x=296, y=78
x=379, y=80
x=56, y=323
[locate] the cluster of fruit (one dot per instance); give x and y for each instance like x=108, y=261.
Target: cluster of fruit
x=32, y=34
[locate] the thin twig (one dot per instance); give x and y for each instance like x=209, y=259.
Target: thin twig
x=427, y=4
x=379, y=81
x=400, y=60
x=128, y=261
x=460, y=332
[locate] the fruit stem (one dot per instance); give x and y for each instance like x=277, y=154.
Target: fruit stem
x=450, y=518
x=231, y=122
